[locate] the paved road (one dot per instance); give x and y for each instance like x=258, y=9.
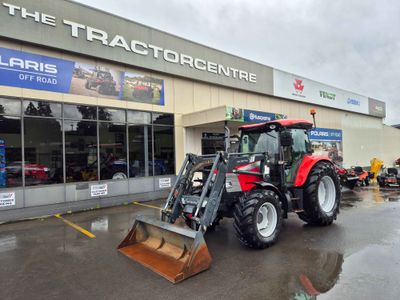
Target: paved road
x=356, y=258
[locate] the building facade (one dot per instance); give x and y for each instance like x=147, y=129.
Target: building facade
x=97, y=110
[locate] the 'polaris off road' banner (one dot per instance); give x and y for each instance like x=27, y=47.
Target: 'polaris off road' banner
x=38, y=72
x=32, y=71
x=328, y=142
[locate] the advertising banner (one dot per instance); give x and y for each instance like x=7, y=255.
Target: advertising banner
x=251, y=116
x=142, y=88
x=287, y=85
x=328, y=142
x=32, y=71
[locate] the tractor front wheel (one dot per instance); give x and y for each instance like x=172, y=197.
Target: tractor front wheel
x=258, y=218
x=321, y=195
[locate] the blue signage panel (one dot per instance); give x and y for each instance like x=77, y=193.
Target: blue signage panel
x=325, y=134
x=254, y=116
x=32, y=71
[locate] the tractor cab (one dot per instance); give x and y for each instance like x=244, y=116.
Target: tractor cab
x=286, y=142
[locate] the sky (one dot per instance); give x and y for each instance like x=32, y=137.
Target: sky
x=349, y=44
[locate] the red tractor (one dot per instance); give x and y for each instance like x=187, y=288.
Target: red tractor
x=274, y=173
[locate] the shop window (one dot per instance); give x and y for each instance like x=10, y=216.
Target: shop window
x=43, y=151
x=164, y=153
x=79, y=112
x=140, y=149
x=110, y=114
x=10, y=152
x=10, y=107
x=42, y=109
x=139, y=117
x=80, y=150
x=113, y=164
x=163, y=119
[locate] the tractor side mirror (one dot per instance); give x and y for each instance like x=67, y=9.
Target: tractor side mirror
x=286, y=138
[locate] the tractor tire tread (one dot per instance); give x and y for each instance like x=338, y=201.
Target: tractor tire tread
x=312, y=213
x=244, y=219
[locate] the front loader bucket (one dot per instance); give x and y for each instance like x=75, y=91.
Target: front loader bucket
x=175, y=253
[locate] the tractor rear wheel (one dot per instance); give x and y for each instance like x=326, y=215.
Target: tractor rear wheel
x=321, y=195
x=258, y=218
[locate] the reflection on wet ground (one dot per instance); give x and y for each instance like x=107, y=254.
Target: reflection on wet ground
x=358, y=257
x=367, y=196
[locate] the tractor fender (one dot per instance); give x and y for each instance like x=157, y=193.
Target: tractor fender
x=268, y=186
x=305, y=167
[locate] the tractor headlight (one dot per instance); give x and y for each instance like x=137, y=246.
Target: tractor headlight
x=266, y=170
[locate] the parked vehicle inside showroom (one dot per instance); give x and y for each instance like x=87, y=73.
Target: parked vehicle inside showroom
x=102, y=81
x=34, y=173
x=389, y=178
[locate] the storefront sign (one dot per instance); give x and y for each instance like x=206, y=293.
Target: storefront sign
x=7, y=199
x=164, y=183
x=72, y=27
x=212, y=136
x=294, y=87
x=251, y=116
x=327, y=142
x=32, y=71
x=376, y=108
x=98, y=190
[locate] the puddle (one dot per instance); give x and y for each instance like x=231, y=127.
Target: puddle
x=99, y=224
x=8, y=242
x=369, y=196
x=319, y=277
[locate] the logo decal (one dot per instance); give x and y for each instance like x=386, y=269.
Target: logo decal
x=298, y=86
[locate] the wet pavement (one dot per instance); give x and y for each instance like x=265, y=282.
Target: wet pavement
x=358, y=257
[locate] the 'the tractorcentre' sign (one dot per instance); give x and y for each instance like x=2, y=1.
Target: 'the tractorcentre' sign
x=136, y=47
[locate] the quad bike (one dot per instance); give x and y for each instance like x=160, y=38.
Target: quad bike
x=389, y=178
x=276, y=175
x=103, y=82
x=347, y=178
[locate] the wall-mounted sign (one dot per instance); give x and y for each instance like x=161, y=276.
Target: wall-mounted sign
x=164, y=183
x=70, y=27
x=213, y=136
x=251, y=116
x=32, y=71
x=294, y=87
x=376, y=108
x=98, y=190
x=7, y=199
x=328, y=142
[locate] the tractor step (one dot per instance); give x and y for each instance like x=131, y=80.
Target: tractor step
x=297, y=205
